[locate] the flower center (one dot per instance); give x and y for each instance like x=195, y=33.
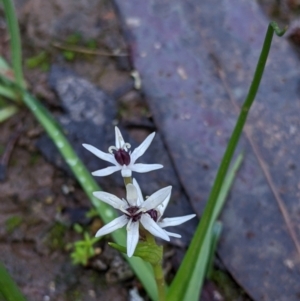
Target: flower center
x=134, y=213
x=122, y=156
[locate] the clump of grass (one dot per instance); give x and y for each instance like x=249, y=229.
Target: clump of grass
x=12, y=223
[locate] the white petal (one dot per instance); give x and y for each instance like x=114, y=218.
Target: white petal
x=173, y=234
x=150, y=225
x=100, y=154
x=139, y=151
x=157, y=198
x=106, y=171
x=126, y=172
x=110, y=199
x=131, y=194
x=119, y=139
x=140, y=200
x=117, y=223
x=140, y=167
x=132, y=237
x=162, y=207
x=175, y=221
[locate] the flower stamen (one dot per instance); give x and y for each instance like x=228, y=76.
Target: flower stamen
x=111, y=149
x=127, y=145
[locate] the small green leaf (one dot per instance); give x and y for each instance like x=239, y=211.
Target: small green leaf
x=91, y=44
x=78, y=228
x=37, y=61
x=118, y=247
x=149, y=252
x=69, y=55
x=74, y=38
x=13, y=223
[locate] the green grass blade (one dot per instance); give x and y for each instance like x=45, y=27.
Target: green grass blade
x=215, y=236
x=6, y=71
x=183, y=276
x=8, y=92
x=197, y=274
x=239, y=126
x=8, y=288
x=15, y=41
x=226, y=187
x=4, y=66
x=204, y=260
x=7, y=112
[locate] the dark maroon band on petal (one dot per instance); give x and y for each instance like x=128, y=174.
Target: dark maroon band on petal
x=122, y=157
x=133, y=213
x=153, y=214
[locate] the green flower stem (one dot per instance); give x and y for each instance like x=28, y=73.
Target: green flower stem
x=127, y=180
x=160, y=281
x=184, y=274
x=158, y=270
x=15, y=41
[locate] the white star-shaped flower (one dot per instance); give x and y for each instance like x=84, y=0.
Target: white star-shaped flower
x=120, y=156
x=136, y=211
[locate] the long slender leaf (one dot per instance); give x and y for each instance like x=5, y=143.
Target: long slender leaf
x=215, y=236
x=7, y=112
x=4, y=66
x=205, y=257
x=15, y=41
x=8, y=288
x=7, y=92
x=184, y=275
x=6, y=70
